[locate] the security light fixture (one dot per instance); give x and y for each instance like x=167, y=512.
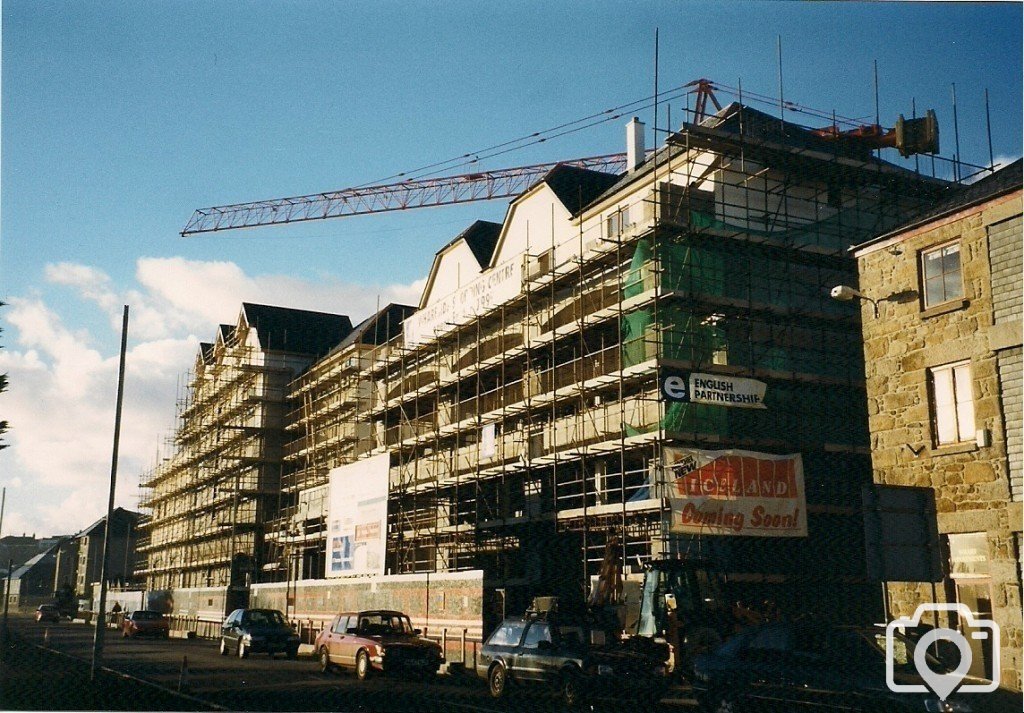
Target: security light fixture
x=845, y=293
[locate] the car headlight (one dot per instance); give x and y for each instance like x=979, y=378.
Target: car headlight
x=934, y=705
x=247, y=638
x=604, y=670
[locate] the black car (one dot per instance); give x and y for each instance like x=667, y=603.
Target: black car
x=248, y=631
x=566, y=655
x=807, y=666
x=47, y=612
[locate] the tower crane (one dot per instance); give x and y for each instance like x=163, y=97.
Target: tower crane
x=909, y=136
x=414, y=193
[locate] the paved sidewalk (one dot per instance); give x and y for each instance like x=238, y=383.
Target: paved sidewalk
x=37, y=679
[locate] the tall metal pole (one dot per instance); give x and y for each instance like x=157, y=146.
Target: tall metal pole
x=991, y=158
x=956, y=134
x=782, y=103
x=3, y=504
x=7, y=594
x=101, y=620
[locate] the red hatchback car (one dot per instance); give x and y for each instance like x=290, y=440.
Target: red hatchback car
x=382, y=641
x=145, y=623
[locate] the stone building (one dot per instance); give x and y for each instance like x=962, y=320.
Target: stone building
x=942, y=345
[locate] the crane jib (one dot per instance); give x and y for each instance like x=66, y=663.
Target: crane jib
x=417, y=193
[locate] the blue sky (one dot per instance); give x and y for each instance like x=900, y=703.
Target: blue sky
x=120, y=118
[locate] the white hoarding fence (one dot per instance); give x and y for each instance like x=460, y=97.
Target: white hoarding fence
x=358, y=517
x=735, y=492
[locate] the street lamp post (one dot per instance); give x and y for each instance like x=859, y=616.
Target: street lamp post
x=845, y=293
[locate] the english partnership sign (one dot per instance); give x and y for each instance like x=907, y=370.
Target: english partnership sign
x=736, y=492
x=712, y=389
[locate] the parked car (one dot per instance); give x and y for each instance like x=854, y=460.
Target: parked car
x=809, y=666
x=377, y=641
x=248, y=631
x=564, y=653
x=145, y=623
x=47, y=612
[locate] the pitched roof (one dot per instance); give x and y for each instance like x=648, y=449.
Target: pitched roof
x=769, y=139
x=957, y=197
x=480, y=238
x=576, y=187
x=118, y=512
x=296, y=330
x=21, y=571
x=206, y=352
x=377, y=328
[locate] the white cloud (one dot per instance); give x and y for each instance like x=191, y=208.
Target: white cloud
x=1000, y=161
x=62, y=392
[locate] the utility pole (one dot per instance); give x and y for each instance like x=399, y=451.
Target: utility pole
x=101, y=615
x=3, y=504
x=7, y=596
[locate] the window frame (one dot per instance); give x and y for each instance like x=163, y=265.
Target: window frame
x=940, y=416
x=928, y=301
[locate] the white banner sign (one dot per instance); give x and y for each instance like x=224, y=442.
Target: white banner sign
x=727, y=391
x=358, y=517
x=489, y=290
x=736, y=493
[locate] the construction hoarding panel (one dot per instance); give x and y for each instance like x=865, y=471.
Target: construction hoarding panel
x=358, y=517
x=736, y=492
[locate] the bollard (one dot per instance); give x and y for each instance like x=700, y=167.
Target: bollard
x=462, y=644
x=183, y=676
x=444, y=642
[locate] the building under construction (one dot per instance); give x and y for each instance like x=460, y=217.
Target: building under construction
x=327, y=426
x=211, y=499
x=650, y=359
x=579, y=372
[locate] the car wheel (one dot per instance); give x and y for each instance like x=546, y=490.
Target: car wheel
x=497, y=681
x=243, y=650
x=572, y=689
x=362, y=666
x=324, y=659
x=223, y=647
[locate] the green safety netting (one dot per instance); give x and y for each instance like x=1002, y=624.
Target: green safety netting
x=674, y=332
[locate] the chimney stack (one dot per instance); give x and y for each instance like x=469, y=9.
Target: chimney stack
x=635, y=148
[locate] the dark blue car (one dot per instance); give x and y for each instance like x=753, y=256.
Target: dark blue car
x=806, y=666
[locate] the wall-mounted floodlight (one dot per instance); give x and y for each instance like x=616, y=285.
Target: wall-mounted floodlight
x=845, y=293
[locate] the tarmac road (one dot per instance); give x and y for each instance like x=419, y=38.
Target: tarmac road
x=260, y=683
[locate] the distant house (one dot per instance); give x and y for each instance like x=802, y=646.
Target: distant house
x=32, y=582
x=78, y=559
x=19, y=549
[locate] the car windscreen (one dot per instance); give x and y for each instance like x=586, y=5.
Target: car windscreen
x=147, y=616
x=261, y=617
x=382, y=624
